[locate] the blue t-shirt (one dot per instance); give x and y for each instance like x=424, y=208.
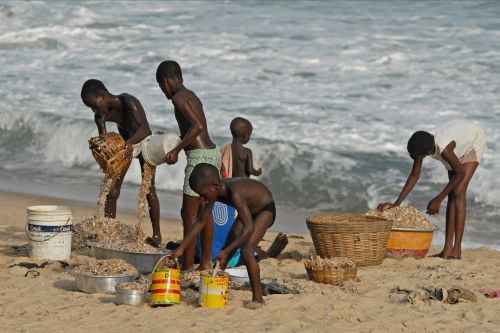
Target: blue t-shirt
x=223, y=217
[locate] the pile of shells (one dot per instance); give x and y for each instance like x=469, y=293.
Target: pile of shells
x=135, y=285
x=403, y=217
x=131, y=247
x=318, y=263
x=111, y=267
x=105, y=231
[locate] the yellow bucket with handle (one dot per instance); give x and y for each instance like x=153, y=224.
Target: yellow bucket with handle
x=213, y=290
x=166, y=283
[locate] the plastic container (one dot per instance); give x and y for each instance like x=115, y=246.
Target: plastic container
x=213, y=290
x=412, y=243
x=238, y=274
x=166, y=283
x=49, y=231
x=156, y=147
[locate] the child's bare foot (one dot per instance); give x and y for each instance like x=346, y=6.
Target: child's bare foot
x=154, y=241
x=187, y=270
x=443, y=254
x=204, y=267
x=438, y=255
x=253, y=305
x=454, y=255
x=278, y=245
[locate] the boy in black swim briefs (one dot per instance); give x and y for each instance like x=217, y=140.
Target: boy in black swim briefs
x=256, y=213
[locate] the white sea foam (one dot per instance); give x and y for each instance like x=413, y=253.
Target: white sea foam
x=333, y=93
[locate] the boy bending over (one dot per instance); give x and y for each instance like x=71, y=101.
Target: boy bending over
x=256, y=213
x=459, y=145
x=126, y=111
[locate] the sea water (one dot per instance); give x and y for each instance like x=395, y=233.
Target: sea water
x=333, y=90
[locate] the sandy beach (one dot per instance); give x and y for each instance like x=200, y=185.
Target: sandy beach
x=50, y=302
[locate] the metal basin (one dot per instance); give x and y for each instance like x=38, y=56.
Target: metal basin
x=130, y=297
x=143, y=262
x=100, y=284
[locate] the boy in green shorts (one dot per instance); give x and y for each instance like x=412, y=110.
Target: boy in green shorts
x=199, y=148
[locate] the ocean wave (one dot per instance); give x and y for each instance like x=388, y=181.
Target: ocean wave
x=332, y=102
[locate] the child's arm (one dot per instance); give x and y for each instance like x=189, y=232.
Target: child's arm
x=410, y=183
x=195, y=128
x=197, y=227
x=139, y=116
x=100, y=121
x=246, y=219
x=449, y=155
x=249, y=165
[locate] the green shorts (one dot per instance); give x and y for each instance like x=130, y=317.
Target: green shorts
x=196, y=156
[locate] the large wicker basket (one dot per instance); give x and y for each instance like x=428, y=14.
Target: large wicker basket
x=329, y=274
x=362, y=239
x=110, y=153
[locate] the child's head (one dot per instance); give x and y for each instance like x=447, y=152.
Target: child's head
x=241, y=129
x=420, y=144
x=205, y=181
x=168, y=72
x=93, y=95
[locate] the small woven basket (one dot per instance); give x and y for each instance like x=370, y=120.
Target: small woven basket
x=330, y=274
x=110, y=153
x=362, y=239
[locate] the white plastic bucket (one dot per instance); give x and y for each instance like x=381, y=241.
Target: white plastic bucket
x=49, y=231
x=156, y=147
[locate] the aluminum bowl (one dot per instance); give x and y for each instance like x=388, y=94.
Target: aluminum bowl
x=100, y=284
x=143, y=262
x=130, y=297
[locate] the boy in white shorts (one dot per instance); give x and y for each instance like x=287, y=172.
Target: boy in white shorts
x=459, y=145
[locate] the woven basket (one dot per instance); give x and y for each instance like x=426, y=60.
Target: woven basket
x=110, y=153
x=335, y=276
x=362, y=239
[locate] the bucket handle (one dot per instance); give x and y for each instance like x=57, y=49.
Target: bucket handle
x=45, y=240
x=163, y=257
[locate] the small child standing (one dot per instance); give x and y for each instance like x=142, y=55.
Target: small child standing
x=459, y=145
x=238, y=159
x=256, y=214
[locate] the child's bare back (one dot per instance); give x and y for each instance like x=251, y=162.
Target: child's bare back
x=241, y=129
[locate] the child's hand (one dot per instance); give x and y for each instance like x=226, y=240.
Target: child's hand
x=258, y=171
x=222, y=259
x=433, y=206
x=177, y=252
x=172, y=156
x=129, y=152
x=385, y=205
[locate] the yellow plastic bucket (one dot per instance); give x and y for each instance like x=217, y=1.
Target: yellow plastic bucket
x=213, y=291
x=409, y=243
x=165, y=286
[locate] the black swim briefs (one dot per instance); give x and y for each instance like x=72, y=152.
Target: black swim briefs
x=270, y=207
